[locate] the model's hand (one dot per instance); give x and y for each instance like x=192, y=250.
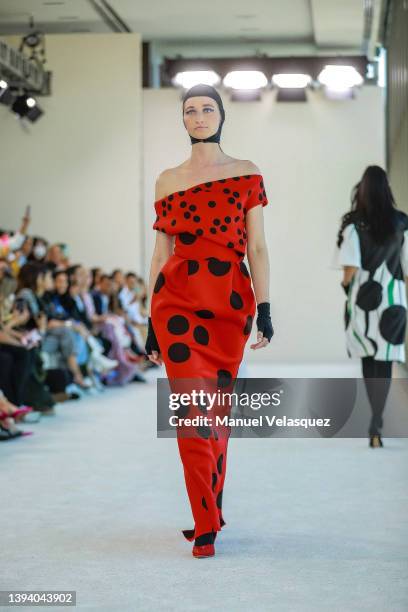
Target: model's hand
x=264, y=325
x=152, y=346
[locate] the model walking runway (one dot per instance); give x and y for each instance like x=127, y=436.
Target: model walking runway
x=202, y=311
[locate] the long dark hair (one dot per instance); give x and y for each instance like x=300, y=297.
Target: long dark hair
x=373, y=205
x=28, y=276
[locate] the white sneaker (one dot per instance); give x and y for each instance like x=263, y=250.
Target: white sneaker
x=94, y=345
x=100, y=363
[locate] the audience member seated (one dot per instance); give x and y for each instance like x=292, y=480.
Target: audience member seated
x=63, y=327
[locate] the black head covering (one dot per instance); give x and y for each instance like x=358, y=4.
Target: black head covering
x=211, y=92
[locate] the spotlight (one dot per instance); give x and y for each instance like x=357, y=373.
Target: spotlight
x=245, y=79
x=291, y=81
x=26, y=106
x=6, y=97
x=340, y=78
x=194, y=77
x=34, y=113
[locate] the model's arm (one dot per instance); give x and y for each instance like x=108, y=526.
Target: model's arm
x=404, y=256
x=164, y=246
x=257, y=250
x=257, y=253
x=348, y=273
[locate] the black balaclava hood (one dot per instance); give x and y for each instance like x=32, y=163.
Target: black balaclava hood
x=211, y=92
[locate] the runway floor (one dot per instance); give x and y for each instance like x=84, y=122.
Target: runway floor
x=94, y=502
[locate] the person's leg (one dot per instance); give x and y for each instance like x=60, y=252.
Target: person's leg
x=6, y=369
x=383, y=380
x=377, y=378
x=66, y=347
x=81, y=349
x=22, y=366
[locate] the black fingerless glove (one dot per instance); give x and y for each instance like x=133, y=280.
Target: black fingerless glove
x=151, y=340
x=346, y=288
x=263, y=321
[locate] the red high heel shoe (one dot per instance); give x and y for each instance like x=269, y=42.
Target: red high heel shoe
x=207, y=550
x=9, y=433
x=18, y=412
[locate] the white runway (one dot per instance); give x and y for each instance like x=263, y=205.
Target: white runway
x=94, y=502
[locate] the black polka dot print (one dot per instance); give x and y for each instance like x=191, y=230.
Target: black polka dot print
x=178, y=352
x=202, y=311
x=178, y=324
x=201, y=335
x=236, y=300
x=375, y=309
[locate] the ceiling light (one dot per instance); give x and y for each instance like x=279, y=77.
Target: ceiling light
x=6, y=96
x=291, y=81
x=34, y=113
x=245, y=79
x=340, y=78
x=26, y=106
x=194, y=77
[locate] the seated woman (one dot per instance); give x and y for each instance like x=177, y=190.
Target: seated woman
x=16, y=356
x=113, y=327
x=17, y=360
x=66, y=302
x=59, y=343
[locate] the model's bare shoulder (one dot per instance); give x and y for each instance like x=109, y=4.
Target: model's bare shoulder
x=248, y=167
x=163, y=183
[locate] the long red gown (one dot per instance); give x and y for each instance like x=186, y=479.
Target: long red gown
x=202, y=311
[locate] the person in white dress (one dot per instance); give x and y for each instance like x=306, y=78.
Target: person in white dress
x=372, y=250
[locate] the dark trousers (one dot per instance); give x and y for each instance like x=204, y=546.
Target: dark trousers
x=377, y=378
x=16, y=364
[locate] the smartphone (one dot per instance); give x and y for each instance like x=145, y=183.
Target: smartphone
x=28, y=210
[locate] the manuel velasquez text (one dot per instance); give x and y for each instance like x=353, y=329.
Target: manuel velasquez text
x=259, y=421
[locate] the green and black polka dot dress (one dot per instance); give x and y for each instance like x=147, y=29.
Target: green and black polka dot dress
x=376, y=308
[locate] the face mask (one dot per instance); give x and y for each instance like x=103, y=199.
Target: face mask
x=39, y=251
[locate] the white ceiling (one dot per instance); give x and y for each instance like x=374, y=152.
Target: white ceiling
x=324, y=24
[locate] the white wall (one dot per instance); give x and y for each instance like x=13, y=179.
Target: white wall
x=79, y=165
x=311, y=155
x=80, y=168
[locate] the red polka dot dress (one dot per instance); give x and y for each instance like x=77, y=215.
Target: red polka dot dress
x=202, y=310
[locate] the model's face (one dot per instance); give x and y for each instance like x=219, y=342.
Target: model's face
x=201, y=116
